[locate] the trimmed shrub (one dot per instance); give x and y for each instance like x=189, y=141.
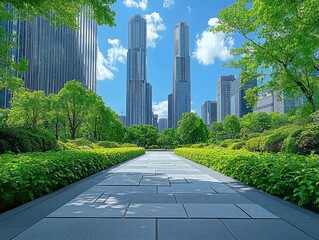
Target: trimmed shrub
x=228, y=142
x=27, y=176
x=108, y=144
x=20, y=140
x=199, y=145
x=294, y=177
x=308, y=140
x=237, y=145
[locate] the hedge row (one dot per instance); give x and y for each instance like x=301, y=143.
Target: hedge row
x=24, y=177
x=294, y=138
x=291, y=176
x=19, y=140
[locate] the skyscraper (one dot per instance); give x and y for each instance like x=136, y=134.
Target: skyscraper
x=181, y=73
x=238, y=104
x=209, y=112
x=138, y=92
x=170, y=111
x=55, y=55
x=162, y=124
x=223, y=96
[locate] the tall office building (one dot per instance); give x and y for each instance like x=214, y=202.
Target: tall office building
x=170, y=111
x=55, y=55
x=209, y=112
x=138, y=92
x=273, y=102
x=223, y=96
x=238, y=104
x=181, y=73
x=155, y=120
x=162, y=124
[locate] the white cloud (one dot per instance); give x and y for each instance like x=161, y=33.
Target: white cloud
x=115, y=54
x=210, y=46
x=189, y=9
x=142, y=4
x=168, y=3
x=102, y=72
x=161, y=109
x=155, y=24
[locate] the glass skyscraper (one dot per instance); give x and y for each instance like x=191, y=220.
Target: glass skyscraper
x=223, y=96
x=138, y=91
x=55, y=55
x=209, y=112
x=181, y=73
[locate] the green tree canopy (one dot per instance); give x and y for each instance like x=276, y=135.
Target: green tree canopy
x=168, y=138
x=216, y=132
x=75, y=103
x=231, y=125
x=282, y=44
x=141, y=135
x=28, y=109
x=191, y=129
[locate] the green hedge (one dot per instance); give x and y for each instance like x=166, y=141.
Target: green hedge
x=19, y=140
x=291, y=176
x=24, y=177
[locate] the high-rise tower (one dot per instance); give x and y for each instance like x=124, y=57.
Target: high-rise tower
x=223, y=96
x=55, y=55
x=138, y=109
x=181, y=73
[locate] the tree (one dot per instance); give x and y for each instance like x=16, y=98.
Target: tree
x=167, y=138
x=141, y=135
x=28, y=109
x=216, y=132
x=255, y=122
x=282, y=44
x=58, y=11
x=55, y=119
x=191, y=129
x=231, y=125
x=278, y=120
x=75, y=103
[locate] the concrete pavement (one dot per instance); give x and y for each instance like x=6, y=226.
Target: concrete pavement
x=159, y=196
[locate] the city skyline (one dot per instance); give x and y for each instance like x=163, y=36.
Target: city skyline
x=208, y=51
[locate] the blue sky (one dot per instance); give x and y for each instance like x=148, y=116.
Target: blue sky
x=208, y=51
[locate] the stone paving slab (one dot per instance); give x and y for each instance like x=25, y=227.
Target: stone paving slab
x=106, y=210
x=141, y=198
x=186, y=188
x=192, y=229
x=195, y=210
x=211, y=198
x=93, y=229
x=156, y=210
x=256, y=211
x=264, y=229
x=158, y=180
x=122, y=189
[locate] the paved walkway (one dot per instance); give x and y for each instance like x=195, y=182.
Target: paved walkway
x=159, y=196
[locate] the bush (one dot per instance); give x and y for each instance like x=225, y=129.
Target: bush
x=20, y=140
x=237, y=145
x=308, y=140
x=81, y=142
x=24, y=177
x=228, y=142
x=294, y=177
x=199, y=145
x=108, y=144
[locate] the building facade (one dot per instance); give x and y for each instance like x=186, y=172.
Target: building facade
x=238, y=104
x=170, y=111
x=162, y=124
x=55, y=55
x=274, y=102
x=209, y=112
x=223, y=96
x=138, y=91
x=181, y=97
